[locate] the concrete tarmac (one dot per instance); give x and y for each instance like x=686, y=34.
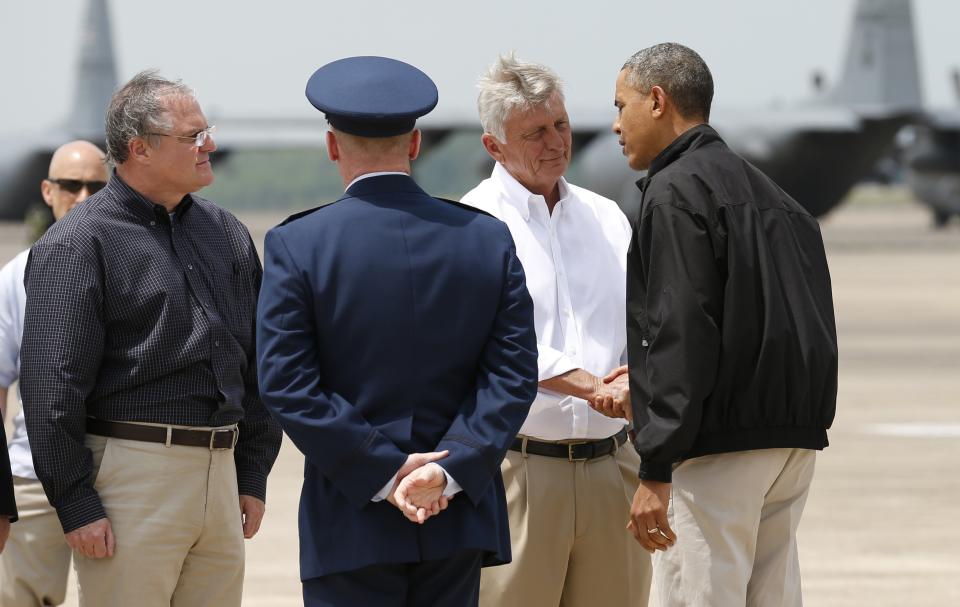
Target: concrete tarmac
x=881, y=525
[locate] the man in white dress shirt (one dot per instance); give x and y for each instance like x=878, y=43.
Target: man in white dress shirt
x=34, y=566
x=570, y=475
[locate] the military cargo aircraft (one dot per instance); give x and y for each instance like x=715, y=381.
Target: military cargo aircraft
x=25, y=158
x=816, y=150
x=933, y=161
x=819, y=149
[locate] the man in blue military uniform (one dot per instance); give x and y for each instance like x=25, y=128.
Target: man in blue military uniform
x=397, y=350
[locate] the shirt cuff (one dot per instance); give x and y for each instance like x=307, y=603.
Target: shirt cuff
x=83, y=511
x=252, y=483
x=383, y=493
x=453, y=487
x=552, y=362
x=655, y=471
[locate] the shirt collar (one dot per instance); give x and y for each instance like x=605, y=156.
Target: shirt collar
x=142, y=206
x=519, y=196
x=374, y=174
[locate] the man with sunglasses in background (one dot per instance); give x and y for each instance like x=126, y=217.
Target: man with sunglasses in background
x=34, y=566
x=138, y=373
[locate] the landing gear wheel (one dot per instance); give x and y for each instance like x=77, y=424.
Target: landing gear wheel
x=940, y=219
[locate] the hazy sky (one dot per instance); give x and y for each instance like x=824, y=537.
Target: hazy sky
x=253, y=58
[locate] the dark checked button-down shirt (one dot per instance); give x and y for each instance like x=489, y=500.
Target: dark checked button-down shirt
x=134, y=314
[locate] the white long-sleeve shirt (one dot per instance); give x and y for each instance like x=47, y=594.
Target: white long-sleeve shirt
x=575, y=265
x=13, y=299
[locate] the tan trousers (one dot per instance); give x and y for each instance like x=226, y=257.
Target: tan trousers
x=568, y=535
x=736, y=518
x=35, y=564
x=175, y=513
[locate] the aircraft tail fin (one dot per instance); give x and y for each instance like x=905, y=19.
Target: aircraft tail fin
x=96, y=74
x=880, y=74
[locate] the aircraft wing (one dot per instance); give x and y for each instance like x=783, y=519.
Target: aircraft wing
x=943, y=120
x=812, y=118
x=238, y=133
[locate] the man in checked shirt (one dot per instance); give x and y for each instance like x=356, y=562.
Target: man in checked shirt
x=138, y=372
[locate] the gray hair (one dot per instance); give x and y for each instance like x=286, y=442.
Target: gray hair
x=679, y=71
x=511, y=84
x=138, y=109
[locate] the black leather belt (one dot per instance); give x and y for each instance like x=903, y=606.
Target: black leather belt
x=213, y=439
x=574, y=452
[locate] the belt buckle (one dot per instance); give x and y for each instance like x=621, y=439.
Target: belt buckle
x=570, y=457
x=213, y=436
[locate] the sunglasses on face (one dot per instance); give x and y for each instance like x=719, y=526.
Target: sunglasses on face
x=75, y=185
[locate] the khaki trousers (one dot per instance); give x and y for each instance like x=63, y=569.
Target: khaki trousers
x=175, y=513
x=736, y=518
x=35, y=564
x=568, y=535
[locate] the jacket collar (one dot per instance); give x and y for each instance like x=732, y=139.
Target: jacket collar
x=690, y=140
x=383, y=184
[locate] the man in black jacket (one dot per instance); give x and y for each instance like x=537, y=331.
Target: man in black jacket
x=732, y=347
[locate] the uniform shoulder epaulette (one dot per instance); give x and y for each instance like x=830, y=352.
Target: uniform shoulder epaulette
x=301, y=214
x=465, y=206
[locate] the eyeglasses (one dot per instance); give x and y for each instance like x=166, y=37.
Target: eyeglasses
x=75, y=185
x=198, y=139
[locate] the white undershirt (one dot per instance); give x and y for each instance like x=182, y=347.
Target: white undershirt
x=374, y=174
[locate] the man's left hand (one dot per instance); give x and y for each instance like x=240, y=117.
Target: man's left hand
x=251, y=512
x=648, y=516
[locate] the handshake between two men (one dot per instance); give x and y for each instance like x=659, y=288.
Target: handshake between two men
x=611, y=394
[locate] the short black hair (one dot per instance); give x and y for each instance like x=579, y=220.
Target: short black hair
x=679, y=71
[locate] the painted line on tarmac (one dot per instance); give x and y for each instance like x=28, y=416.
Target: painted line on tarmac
x=915, y=429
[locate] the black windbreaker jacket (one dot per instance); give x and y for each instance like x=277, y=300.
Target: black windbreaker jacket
x=731, y=333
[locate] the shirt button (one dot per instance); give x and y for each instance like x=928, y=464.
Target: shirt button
x=153, y=223
x=216, y=343
x=190, y=266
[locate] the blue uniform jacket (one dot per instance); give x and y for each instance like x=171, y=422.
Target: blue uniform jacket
x=391, y=323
